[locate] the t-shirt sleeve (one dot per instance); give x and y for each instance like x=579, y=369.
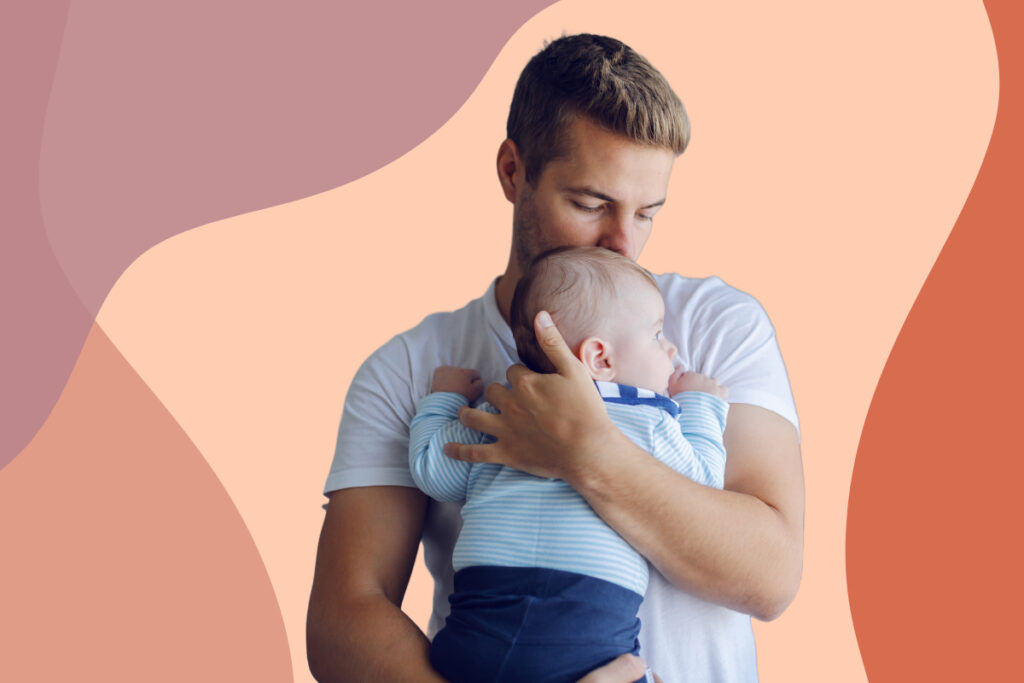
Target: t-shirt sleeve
x=727, y=335
x=373, y=438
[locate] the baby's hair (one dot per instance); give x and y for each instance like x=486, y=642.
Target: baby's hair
x=575, y=285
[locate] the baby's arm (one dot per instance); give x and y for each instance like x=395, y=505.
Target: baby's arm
x=701, y=420
x=436, y=423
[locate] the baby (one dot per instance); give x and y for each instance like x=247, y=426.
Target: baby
x=544, y=589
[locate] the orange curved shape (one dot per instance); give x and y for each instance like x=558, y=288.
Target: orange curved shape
x=933, y=539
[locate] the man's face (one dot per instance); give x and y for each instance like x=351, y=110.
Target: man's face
x=603, y=193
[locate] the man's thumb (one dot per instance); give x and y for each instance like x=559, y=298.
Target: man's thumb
x=552, y=343
x=544, y=321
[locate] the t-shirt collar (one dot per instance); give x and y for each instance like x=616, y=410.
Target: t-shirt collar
x=496, y=322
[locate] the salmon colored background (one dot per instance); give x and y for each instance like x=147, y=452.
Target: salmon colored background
x=834, y=146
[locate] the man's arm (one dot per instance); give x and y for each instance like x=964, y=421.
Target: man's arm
x=741, y=547
x=355, y=629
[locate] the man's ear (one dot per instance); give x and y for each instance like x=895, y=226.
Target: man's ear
x=596, y=355
x=511, y=172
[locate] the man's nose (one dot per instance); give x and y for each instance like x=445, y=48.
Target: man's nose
x=618, y=236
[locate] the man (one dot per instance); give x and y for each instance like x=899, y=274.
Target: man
x=593, y=132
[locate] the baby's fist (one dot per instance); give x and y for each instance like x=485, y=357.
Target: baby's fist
x=459, y=381
x=694, y=381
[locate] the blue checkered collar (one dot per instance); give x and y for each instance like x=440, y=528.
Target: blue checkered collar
x=623, y=393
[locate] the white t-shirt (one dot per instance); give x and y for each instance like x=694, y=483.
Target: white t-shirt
x=719, y=331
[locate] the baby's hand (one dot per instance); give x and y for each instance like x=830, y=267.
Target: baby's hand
x=694, y=381
x=458, y=380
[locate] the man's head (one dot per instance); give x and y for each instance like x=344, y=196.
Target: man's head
x=599, y=79
x=593, y=131
x=607, y=308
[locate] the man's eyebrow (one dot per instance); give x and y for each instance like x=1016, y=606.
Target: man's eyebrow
x=602, y=196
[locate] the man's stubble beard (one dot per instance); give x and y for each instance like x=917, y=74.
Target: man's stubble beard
x=527, y=243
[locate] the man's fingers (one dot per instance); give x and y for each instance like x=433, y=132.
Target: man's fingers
x=552, y=344
x=476, y=452
x=516, y=371
x=480, y=420
x=497, y=395
x=623, y=669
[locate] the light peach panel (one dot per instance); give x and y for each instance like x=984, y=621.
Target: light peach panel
x=834, y=144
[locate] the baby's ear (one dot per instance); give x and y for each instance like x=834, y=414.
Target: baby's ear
x=596, y=355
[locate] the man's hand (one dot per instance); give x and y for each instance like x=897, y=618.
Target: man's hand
x=458, y=381
x=741, y=547
x=623, y=669
x=681, y=381
x=549, y=425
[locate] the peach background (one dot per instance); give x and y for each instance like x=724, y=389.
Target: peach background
x=828, y=167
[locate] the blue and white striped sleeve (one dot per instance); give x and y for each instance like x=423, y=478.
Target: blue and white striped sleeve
x=436, y=423
x=701, y=422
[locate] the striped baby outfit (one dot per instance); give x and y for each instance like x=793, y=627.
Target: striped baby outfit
x=514, y=519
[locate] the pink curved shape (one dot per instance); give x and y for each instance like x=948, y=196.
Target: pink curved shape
x=44, y=321
x=169, y=117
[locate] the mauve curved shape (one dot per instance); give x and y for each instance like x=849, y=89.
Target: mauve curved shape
x=166, y=117
x=933, y=558
x=44, y=321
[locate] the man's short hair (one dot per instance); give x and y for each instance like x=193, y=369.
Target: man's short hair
x=575, y=285
x=599, y=78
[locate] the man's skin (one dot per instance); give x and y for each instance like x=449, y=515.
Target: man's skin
x=741, y=547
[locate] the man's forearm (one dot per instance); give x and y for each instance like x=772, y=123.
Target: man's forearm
x=369, y=639
x=729, y=547
x=355, y=630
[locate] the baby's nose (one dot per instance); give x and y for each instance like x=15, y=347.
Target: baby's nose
x=672, y=350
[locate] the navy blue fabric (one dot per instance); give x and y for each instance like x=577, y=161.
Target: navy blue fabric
x=629, y=395
x=531, y=624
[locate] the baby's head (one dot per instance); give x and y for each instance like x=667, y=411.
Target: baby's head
x=608, y=309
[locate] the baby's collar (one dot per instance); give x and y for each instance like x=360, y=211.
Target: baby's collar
x=612, y=392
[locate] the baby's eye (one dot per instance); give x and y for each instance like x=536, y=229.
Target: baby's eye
x=657, y=335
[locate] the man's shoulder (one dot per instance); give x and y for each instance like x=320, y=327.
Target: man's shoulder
x=434, y=330
x=709, y=306
x=693, y=292
x=446, y=323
